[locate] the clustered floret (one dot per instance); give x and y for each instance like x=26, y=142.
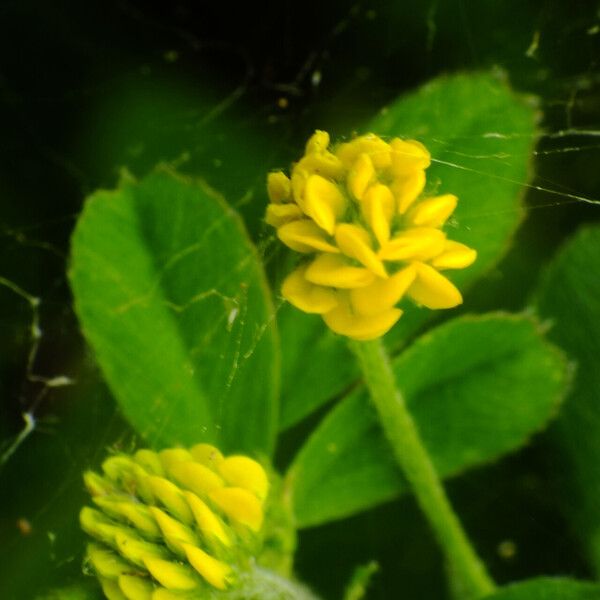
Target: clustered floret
x=173, y=525
x=371, y=236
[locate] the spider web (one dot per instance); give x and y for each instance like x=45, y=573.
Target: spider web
x=285, y=75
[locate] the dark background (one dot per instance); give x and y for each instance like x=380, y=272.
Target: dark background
x=228, y=92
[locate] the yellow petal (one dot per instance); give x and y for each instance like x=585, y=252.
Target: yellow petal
x=360, y=176
x=96, y=524
x=139, y=516
x=433, y=212
x=347, y=153
x=377, y=149
x=307, y=296
x=299, y=177
x=335, y=271
x=323, y=202
x=408, y=156
x=141, y=488
x=207, y=455
x=323, y=163
x=305, y=236
x=433, y=290
x=241, y=471
x=97, y=485
x=118, y=468
x=106, y=563
x=382, y=294
x=174, y=532
x=171, y=498
x=135, y=514
x=162, y=593
x=344, y=321
x=280, y=214
x=208, y=523
x=149, y=461
x=173, y=576
x=407, y=189
x=378, y=209
x=136, y=550
x=418, y=243
x=136, y=588
x=174, y=455
x=217, y=573
x=278, y=187
x=318, y=142
x=129, y=475
x=355, y=242
x=195, y=477
x=454, y=256
x=239, y=505
x=111, y=589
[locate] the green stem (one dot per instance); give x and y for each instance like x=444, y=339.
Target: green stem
x=415, y=462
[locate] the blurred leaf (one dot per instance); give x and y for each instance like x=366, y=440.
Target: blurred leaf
x=198, y=123
x=361, y=579
x=570, y=296
x=172, y=298
x=89, y=591
x=481, y=136
x=546, y=588
x=478, y=387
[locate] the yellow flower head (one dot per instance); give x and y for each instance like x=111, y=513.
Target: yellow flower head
x=173, y=524
x=358, y=211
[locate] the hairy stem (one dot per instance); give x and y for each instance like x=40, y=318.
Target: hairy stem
x=417, y=466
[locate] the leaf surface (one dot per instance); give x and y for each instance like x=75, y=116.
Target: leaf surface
x=546, y=588
x=172, y=299
x=569, y=295
x=478, y=387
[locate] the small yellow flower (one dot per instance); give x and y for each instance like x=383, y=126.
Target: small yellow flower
x=174, y=524
x=370, y=235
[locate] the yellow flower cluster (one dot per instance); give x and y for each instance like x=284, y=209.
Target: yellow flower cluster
x=358, y=209
x=173, y=525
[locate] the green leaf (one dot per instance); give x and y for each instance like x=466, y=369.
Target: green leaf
x=481, y=136
x=172, y=298
x=478, y=387
x=546, y=588
x=569, y=295
x=310, y=378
